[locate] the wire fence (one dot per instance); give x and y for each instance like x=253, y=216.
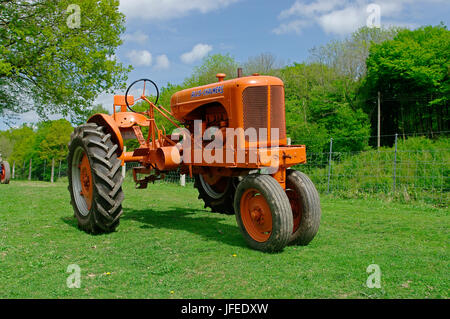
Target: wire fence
x=403, y=172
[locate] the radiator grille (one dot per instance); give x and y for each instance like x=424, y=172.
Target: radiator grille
x=255, y=103
x=277, y=112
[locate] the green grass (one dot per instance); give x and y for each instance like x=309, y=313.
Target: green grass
x=168, y=246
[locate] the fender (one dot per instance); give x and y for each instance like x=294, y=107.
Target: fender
x=111, y=127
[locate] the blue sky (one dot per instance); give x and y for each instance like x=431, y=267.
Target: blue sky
x=166, y=39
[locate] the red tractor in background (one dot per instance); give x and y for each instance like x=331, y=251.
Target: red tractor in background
x=247, y=171
x=5, y=171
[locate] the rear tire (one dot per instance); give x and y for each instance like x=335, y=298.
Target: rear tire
x=219, y=201
x=263, y=213
x=305, y=204
x=6, y=172
x=95, y=179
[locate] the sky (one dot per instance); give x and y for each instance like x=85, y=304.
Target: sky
x=165, y=39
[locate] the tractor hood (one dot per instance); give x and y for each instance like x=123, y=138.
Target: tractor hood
x=223, y=92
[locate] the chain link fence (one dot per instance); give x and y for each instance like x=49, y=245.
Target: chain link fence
x=407, y=171
x=410, y=170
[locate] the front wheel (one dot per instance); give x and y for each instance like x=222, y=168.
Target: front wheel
x=263, y=213
x=95, y=180
x=305, y=204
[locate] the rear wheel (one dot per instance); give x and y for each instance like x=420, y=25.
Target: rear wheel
x=263, y=213
x=305, y=204
x=217, y=193
x=95, y=180
x=5, y=173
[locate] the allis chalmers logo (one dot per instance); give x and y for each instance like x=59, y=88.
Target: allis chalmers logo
x=206, y=92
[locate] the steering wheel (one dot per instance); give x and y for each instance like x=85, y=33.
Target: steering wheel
x=143, y=93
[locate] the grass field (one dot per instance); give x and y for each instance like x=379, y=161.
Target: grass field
x=168, y=246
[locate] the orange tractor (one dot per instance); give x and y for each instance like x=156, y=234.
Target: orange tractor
x=230, y=137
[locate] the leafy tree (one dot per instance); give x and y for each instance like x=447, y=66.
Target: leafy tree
x=317, y=109
x=6, y=145
x=49, y=64
x=52, y=139
x=23, y=139
x=211, y=65
x=412, y=73
x=348, y=57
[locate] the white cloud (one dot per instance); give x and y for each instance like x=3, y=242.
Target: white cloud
x=298, y=8
x=197, y=53
x=292, y=26
x=343, y=21
x=339, y=16
x=152, y=10
x=136, y=37
x=162, y=62
x=140, y=58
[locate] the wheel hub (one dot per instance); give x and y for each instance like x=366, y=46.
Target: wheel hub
x=86, y=180
x=256, y=215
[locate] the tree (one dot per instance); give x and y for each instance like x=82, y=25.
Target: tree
x=348, y=57
x=264, y=64
x=317, y=109
x=6, y=145
x=211, y=65
x=52, y=140
x=23, y=139
x=49, y=63
x=412, y=73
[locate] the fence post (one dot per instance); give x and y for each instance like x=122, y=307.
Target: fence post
x=124, y=167
x=289, y=141
x=395, y=164
x=329, y=165
x=53, y=171
x=29, y=171
x=14, y=170
x=183, y=180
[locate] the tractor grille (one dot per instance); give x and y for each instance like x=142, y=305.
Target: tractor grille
x=254, y=99
x=277, y=115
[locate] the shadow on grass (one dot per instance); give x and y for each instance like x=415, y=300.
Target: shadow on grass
x=209, y=228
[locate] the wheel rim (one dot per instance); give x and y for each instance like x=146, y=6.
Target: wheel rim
x=82, y=182
x=297, y=208
x=216, y=190
x=256, y=215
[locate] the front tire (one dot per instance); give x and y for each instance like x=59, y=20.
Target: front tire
x=305, y=204
x=263, y=213
x=95, y=180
